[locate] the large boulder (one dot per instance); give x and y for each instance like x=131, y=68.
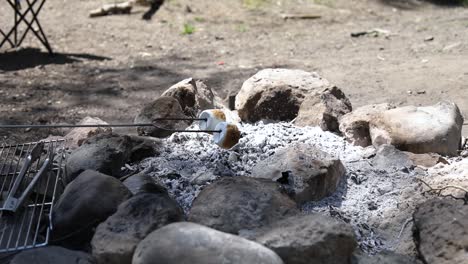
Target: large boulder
x=87, y=201
x=163, y=107
x=355, y=125
x=116, y=238
x=276, y=94
x=324, y=109
x=307, y=173
x=434, y=128
x=78, y=135
x=52, y=255
x=310, y=238
x=187, y=243
x=241, y=203
x=106, y=153
x=441, y=231
x=193, y=95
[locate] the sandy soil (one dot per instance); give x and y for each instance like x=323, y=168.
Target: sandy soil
x=110, y=66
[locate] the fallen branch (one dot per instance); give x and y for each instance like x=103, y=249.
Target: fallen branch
x=108, y=9
x=373, y=32
x=438, y=191
x=300, y=16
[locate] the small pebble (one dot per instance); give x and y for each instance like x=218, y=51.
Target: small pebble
x=429, y=38
x=372, y=206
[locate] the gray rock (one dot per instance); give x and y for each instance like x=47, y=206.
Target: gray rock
x=441, y=231
x=78, y=135
x=52, y=255
x=324, y=109
x=250, y=203
x=355, y=125
x=427, y=129
x=203, y=177
x=143, y=183
x=311, y=238
x=187, y=243
x=185, y=92
x=306, y=172
x=388, y=157
x=384, y=257
x=426, y=160
x=194, y=96
x=116, y=238
x=163, y=107
x=87, y=201
x=262, y=94
x=144, y=147
x=105, y=153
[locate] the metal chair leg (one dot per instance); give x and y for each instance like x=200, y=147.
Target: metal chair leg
x=21, y=17
x=42, y=37
x=17, y=21
x=6, y=39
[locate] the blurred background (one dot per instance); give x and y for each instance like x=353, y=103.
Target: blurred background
x=403, y=52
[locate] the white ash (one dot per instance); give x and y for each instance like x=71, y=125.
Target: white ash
x=376, y=201
x=190, y=160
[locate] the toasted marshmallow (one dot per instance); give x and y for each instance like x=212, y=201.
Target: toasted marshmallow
x=228, y=135
x=213, y=118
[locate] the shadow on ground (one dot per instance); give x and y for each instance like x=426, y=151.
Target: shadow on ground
x=32, y=57
x=112, y=93
x=412, y=4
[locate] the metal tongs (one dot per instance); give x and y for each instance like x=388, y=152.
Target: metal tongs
x=12, y=203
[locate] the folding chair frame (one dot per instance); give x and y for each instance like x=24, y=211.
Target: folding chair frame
x=21, y=17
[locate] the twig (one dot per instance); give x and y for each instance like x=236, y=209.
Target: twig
x=438, y=191
x=300, y=16
x=409, y=220
x=443, y=188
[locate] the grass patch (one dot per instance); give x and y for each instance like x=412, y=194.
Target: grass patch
x=242, y=28
x=254, y=4
x=189, y=29
x=200, y=19
x=328, y=3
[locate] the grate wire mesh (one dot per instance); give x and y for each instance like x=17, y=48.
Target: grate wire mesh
x=30, y=226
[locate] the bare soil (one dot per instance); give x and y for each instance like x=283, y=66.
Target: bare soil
x=110, y=66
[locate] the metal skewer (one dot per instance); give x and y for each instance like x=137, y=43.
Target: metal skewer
x=118, y=125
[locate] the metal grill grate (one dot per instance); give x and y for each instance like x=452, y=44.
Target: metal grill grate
x=30, y=225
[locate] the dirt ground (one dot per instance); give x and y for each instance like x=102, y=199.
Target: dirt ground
x=110, y=66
